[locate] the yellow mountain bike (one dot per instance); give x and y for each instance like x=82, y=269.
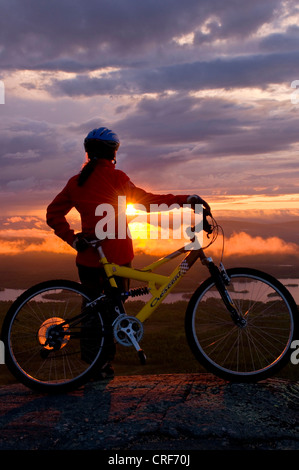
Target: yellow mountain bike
x=239, y=323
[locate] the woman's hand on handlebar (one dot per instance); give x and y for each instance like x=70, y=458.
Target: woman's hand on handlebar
x=80, y=243
x=194, y=199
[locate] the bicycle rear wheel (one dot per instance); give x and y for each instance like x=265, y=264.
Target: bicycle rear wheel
x=47, y=346
x=252, y=352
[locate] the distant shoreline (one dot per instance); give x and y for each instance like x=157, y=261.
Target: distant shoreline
x=184, y=290
x=179, y=295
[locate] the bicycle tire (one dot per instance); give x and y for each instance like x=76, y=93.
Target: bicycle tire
x=254, y=352
x=69, y=362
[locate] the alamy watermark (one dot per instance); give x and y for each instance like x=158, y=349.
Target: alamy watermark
x=2, y=92
x=295, y=354
x=2, y=353
x=160, y=222
x=295, y=96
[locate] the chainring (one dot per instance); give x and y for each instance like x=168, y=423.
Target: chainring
x=125, y=324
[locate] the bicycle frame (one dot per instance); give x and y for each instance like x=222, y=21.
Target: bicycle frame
x=166, y=283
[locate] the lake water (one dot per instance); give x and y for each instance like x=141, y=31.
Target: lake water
x=291, y=284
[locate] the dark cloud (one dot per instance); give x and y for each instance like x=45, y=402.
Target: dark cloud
x=174, y=120
x=221, y=126
x=239, y=20
x=281, y=42
x=63, y=35
x=35, y=155
x=258, y=70
x=210, y=144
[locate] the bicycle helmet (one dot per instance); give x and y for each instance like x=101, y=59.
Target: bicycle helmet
x=104, y=136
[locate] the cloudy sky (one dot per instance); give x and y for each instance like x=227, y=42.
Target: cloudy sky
x=199, y=92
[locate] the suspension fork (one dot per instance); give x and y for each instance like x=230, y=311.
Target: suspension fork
x=221, y=279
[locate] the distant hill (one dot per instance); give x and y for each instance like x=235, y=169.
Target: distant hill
x=287, y=231
x=23, y=270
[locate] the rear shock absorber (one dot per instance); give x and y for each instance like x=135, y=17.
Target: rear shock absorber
x=136, y=292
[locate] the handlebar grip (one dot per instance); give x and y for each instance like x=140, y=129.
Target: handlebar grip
x=193, y=200
x=206, y=226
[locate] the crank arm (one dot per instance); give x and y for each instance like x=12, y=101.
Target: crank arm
x=132, y=338
x=141, y=354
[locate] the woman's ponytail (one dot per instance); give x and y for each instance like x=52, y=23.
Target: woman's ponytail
x=86, y=171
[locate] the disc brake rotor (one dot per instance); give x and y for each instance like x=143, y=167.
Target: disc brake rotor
x=51, y=335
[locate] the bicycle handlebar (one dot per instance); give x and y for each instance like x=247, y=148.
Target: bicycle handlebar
x=203, y=224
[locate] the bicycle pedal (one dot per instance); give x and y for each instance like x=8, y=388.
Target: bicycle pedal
x=142, y=356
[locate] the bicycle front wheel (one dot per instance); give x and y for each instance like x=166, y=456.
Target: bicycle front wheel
x=48, y=346
x=252, y=352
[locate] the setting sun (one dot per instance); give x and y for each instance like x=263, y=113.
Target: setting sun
x=131, y=210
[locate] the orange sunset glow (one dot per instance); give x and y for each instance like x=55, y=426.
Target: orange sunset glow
x=150, y=240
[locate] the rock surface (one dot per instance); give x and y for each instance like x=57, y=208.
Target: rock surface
x=162, y=412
